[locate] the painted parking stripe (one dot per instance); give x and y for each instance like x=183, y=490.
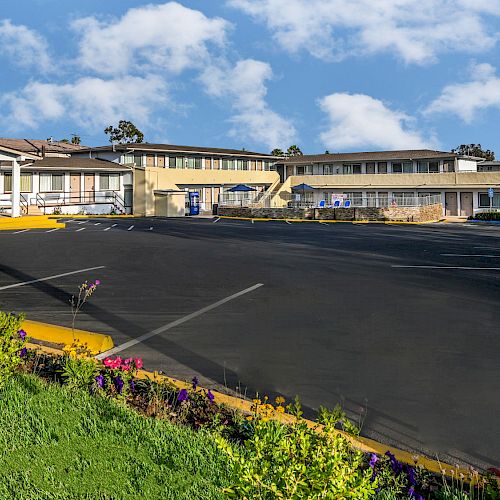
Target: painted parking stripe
x=470, y=255
x=51, y=277
x=288, y=222
x=21, y=231
x=151, y=228
x=177, y=322
x=449, y=267
x=52, y=230
x=130, y=228
x=216, y=220
x=97, y=224
x=108, y=228
x=83, y=222
x=113, y=225
x=81, y=229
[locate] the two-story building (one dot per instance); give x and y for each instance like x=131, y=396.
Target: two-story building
x=374, y=178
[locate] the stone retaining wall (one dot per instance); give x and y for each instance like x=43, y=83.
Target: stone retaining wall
x=404, y=214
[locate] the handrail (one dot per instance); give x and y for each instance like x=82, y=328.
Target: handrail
x=40, y=202
x=24, y=203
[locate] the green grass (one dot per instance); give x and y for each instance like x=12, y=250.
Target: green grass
x=57, y=444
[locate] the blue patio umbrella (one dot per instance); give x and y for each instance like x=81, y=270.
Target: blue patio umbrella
x=241, y=188
x=302, y=187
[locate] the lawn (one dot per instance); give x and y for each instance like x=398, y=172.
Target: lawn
x=61, y=444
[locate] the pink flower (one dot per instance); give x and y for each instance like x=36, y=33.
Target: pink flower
x=108, y=362
x=126, y=365
x=97, y=282
x=138, y=363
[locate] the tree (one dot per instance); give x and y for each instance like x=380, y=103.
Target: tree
x=474, y=150
x=293, y=150
x=76, y=139
x=277, y=152
x=63, y=140
x=126, y=132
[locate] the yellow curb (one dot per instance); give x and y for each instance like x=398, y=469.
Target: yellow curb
x=28, y=222
x=93, y=216
x=363, y=444
x=96, y=342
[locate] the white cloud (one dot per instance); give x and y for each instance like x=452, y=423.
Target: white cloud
x=416, y=30
x=163, y=37
x=24, y=46
x=467, y=99
x=91, y=103
x=360, y=121
x=245, y=86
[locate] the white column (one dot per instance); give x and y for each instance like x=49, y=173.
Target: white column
x=16, y=189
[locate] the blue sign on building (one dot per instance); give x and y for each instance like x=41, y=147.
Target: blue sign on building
x=491, y=192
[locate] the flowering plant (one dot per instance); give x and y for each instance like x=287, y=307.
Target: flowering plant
x=85, y=291
x=12, y=345
x=117, y=376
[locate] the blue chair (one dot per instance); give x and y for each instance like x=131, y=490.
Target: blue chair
x=336, y=203
x=322, y=204
x=347, y=203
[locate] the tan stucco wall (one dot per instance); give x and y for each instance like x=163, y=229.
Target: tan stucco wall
x=366, y=181
x=154, y=178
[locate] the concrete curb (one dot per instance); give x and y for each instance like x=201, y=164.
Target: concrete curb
x=330, y=221
x=93, y=216
x=29, y=222
x=96, y=342
x=363, y=444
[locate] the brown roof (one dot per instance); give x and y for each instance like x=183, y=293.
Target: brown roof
x=146, y=146
x=406, y=154
x=74, y=163
x=35, y=145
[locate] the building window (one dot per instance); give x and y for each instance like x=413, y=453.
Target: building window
x=227, y=164
x=138, y=160
x=356, y=198
x=403, y=198
x=51, y=182
x=327, y=169
x=448, y=166
x=370, y=167
x=434, y=167
x=300, y=170
x=179, y=162
x=109, y=182
x=26, y=182
x=382, y=167
x=397, y=168
x=484, y=200
x=431, y=167
x=128, y=159
x=408, y=167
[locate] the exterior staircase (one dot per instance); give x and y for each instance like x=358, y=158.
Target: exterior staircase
x=34, y=210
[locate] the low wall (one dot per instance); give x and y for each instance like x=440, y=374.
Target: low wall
x=404, y=214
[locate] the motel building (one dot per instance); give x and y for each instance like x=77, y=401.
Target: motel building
x=382, y=178
x=42, y=177
x=50, y=177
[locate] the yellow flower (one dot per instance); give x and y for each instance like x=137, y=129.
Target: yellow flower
x=257, y=402
x=280, y=400
x=249, y=418
x=280, y=409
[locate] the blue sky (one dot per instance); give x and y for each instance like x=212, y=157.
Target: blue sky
x=342, y=75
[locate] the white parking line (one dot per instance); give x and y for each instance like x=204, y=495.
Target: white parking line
x=470, y=255
x=288, y=222
x=83, y=222
x=177, y=322
x=52, y=230
x=216, y=220
x=151, y=228
x=22, y=231
x=130, y=228
x=113, y=225
x=97, y=224
x=108, y=228
x=450, y=267
x=81, y=229
x=51, y=277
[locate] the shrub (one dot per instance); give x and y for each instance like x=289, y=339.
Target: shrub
x=296, y=461
x=486, y=216
x=12, y=345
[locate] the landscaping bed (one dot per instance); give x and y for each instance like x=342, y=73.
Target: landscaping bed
x=486, y=216
x=72, y=427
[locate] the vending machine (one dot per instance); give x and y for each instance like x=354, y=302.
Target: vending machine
x=194, y=203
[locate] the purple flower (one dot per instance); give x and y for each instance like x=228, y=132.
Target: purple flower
x=412, y=480
x=100, y=381
x=132, y=385
x=23, y=352
x=396, y=465
x=183, y=395
x=22, y=334
x=373, y=460
x=210, y=396
x=195, y=382
x=118, y=381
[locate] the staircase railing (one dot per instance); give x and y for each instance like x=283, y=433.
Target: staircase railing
x=23, y=201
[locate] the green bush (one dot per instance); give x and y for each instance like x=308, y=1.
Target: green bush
x=296, y=461
x=486, y=216
x=12, y=345
x=79, y=373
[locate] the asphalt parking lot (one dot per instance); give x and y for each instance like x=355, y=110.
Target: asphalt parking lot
x=399, y=323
